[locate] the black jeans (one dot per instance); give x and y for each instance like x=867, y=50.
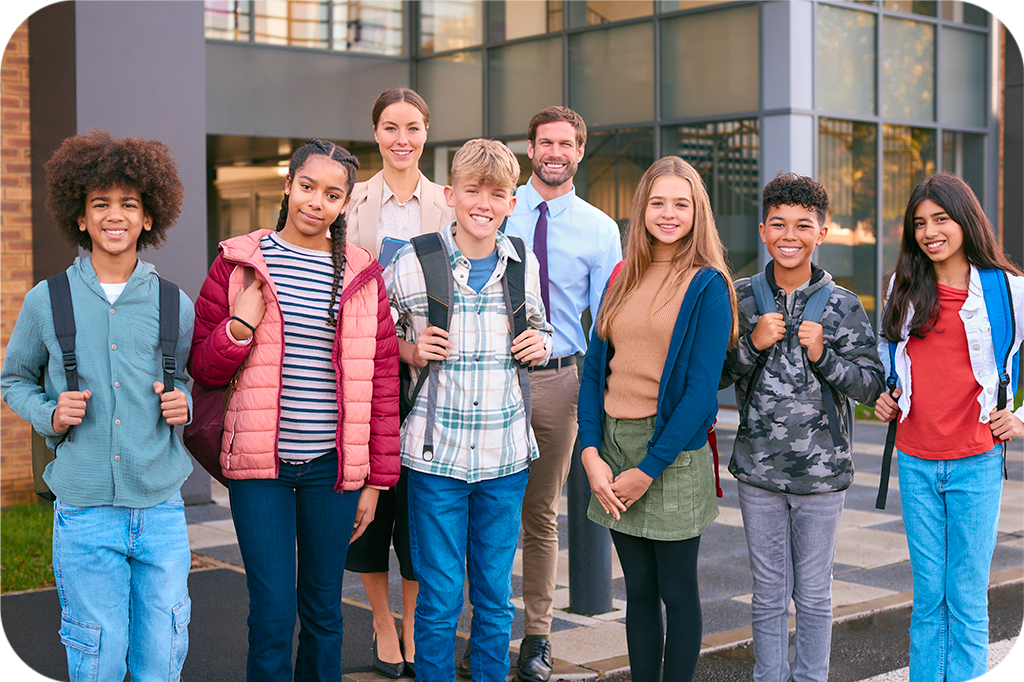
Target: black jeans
x=656, y=572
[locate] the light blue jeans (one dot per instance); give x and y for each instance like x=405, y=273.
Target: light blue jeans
x=456, y=526
x=122, y=580
x=791, y=540
x=951, y=515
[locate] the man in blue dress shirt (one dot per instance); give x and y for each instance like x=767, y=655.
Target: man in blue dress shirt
x=577, y=246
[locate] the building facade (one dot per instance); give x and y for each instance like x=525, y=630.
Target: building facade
x=867, y=96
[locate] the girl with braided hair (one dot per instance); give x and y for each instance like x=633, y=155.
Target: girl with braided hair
x=298, y=321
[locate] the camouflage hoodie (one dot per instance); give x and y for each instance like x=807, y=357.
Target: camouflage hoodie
x=784, y=444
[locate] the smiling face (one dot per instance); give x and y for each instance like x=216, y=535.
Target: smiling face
x=400, y=134
x=316, y=195
x=669, y=213
x=114, y=218
x=554, y=154
x=791, y=232
x=940, y=238
x=479, y=211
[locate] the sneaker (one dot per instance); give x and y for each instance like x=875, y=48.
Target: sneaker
x=535, y=663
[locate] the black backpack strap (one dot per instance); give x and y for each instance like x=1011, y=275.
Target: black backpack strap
x=513, y=286
x=64, y=324
x=169, y=308
x=890, y=434
x=440, y=290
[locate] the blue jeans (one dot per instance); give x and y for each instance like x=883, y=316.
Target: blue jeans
x=446, y=515
x=271, y=516
x=951, y=515
x=791, y=540
x=122, y=580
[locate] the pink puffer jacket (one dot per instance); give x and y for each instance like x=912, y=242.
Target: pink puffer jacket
x=365, y=359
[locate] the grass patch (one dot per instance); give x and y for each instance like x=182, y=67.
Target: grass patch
x=862, y=411
x=26, y=549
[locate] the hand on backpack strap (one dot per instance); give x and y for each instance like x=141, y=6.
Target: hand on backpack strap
x=70, y=410
x=1005, y=425
x=173, y=405
x=886, y=407
x=812, y=338
x=248, y=306
x=431, y=344
x=528, y=347
x=770, y=329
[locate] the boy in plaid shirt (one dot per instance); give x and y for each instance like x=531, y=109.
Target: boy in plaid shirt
x=466, y=486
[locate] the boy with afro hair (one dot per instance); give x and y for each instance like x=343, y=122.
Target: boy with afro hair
x=792, y=454
x=120, y=544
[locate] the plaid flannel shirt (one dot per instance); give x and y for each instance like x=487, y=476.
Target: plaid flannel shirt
x=480, y=431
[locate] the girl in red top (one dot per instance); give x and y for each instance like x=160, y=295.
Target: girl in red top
x=950, y=441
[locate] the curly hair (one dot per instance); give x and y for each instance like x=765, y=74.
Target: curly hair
x=793, y=189
x=84, y=163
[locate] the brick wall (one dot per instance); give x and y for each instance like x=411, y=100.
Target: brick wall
x=15, y=253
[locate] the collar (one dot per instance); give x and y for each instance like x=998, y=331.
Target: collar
x=532, y=197
x=386, y=194
x=817, y=278
x=85, y=270
x=502, y=245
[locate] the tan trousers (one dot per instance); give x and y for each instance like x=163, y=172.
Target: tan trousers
x=554, y=393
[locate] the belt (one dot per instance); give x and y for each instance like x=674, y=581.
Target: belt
x=555, y=363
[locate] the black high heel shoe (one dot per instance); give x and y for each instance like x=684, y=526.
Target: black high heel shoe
x=391, y=670
x=410, y=666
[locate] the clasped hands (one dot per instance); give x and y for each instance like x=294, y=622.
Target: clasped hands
x=615, y=493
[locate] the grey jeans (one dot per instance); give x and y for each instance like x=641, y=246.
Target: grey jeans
x=791, y=540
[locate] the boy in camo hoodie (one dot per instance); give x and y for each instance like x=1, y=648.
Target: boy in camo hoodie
x=792, y=472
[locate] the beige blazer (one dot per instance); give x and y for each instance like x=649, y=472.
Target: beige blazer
x=364, y=211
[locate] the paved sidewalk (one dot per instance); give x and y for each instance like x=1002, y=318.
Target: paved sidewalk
x=872, y=569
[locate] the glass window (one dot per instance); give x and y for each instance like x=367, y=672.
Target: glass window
x=299, y=23
x=964, y=12
x=727, y=155
x=611, y=74
x=522, y=80
x=227, y=19
x=508, y=20
x=846, y=60
x=452, y=85
x=963, y=155
x=595, y=12
x=676, y=5
x=963, y=78
x=615, y=161
x=694, y=84
x=923, y=7
x=450, y=25
x=371, y=26
x=908, y=69
x=847, y=168
x=908, y=157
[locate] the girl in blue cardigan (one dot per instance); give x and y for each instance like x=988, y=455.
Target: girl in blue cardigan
x=647, y=397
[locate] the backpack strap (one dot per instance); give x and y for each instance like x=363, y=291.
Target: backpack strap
x=765, y=299
x=513, y=286
x=890, y=435
x=813, y=310
x=64, y=324
x=440, y=290
x=169, y=307
x=995, y=286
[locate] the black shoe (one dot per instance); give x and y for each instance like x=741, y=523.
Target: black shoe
x=392, y=670
x=535, y=664
x=410, y=669
x=464, y=670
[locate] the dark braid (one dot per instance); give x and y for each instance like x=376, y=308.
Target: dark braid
x=314, y=147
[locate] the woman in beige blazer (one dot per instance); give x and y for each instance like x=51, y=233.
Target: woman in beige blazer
x=387, y=204
x=398, y=202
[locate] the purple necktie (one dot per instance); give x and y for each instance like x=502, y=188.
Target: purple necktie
x=540, y=248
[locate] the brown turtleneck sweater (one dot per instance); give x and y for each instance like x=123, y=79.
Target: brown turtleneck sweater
x=641, y=332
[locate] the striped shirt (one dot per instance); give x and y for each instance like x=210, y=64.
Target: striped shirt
x=303, y=279
x=480, y=431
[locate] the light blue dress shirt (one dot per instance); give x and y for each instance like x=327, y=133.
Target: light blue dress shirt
x=583, y=248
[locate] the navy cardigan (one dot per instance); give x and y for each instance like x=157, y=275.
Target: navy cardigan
x=688, y=390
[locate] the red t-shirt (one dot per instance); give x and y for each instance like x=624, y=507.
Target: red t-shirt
x=943, y=418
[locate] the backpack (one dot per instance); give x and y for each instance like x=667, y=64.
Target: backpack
x=712, y=435
x=995, y=287
x=440, y=290
x=813, y=310
x=203, y=434
x=63, y=311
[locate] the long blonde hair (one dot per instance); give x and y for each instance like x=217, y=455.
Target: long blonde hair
x=702, y=247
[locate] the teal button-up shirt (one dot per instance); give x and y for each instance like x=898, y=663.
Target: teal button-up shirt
x=123, y=454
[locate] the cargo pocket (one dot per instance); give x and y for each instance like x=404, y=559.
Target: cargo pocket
x=82, y=642
x=181, y=614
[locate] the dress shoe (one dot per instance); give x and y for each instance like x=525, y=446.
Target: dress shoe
x=535, y=660
x=392, y=670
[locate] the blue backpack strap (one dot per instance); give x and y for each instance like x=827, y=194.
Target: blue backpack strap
x=995, y=285
x=813, y=310
x=816, y=302
x=763, y=294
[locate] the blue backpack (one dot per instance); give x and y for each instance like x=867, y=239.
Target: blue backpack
x=813, y=310
x=995, y=286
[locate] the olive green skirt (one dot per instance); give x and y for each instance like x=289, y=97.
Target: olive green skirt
x=680, y=503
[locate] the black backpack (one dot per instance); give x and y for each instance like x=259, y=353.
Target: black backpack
x=64, y=326
x=440, y=290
